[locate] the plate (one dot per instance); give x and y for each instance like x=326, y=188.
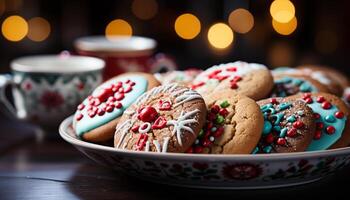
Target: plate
x=214, y=171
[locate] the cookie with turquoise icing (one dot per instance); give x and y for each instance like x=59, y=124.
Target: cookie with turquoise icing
x=233, y=126
x=249, y=79
x=165, y=119
x=289, y=126
x=287, y=85
x=330, y=113
x=97, y=116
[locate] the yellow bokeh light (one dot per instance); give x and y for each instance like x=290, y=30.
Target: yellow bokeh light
x=282, y=11
x=285, y=28
x=14, y=28
x=241, y=20
x=39, y=29
x=118, y=27
x=187, y=26
x=220, y=35
x=144, y=9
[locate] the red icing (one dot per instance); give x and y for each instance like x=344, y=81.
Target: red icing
x=147, y=114
x=159, y=123
x=339, y=114
x=195, y=86
x=164, y=105
x=231, y=69
x=330, y=129
x=141, y=141
x=135, y=128
x=236, y=79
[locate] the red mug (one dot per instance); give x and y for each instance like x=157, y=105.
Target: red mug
x=125, y=54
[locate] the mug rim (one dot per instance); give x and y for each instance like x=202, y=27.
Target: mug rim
x=28, y=65
x=115, y=44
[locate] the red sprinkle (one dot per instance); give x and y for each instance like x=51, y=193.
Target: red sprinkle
x=215, y=109
x=164, y=105
x=141, y=141
x=234, y=85
x=221, y=78
x=198, y=149
x=209, y=125
x=298, y=124
x=121, y=90
x=189, y=150
x=100, y=112
x=319, y=125
x=318, y=134
x=273, y=101
x=317, y=116
x=132, y=83
x=81, y=106
x=326, y=105
x=79, y=117
x=92, y=114
x=306, y=95
x=119, y=96
x=195, y=86
x=135, y=128
x=118, y=104
x=269, y=139
x=128, y=89
x=109, y=109
x=292, y=132
x=308, y=100
x=281, y=141
x=147, y=114
x=211, y=116
x=127, y=81
x=223, y=112
x=159, y=123
x=103, y=94
x=219, y=131
x=320, y=99
x=330, y=129
x=206, y=142
x=339, y=114
x=231, y=69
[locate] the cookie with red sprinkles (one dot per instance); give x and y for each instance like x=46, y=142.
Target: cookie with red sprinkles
x=332, y=125
x=289, y=126
x=165, y=119
x=233, y=126
x=250, y=79
x=97, y=116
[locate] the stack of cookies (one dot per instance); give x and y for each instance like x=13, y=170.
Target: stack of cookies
x=233, y=108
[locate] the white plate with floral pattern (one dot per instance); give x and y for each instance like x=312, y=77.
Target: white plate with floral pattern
x=215, y=171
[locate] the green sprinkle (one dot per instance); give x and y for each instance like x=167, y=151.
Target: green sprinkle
x=220, y=119
x=201, y=133
x=224, y=104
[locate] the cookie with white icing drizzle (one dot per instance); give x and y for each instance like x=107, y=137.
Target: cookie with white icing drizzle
x=249, y=79
x=167, y=118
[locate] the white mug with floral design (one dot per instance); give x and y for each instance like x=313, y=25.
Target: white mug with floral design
x=47, y=88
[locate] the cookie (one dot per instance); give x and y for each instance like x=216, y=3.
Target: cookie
x=233, y=126
x=97, y=116
x=167, y=118
x=182, y=77
x=330, y=113
x=289, y=126
x=287, y=85
x=333, y=74
x=320, y=76
x=249, y=79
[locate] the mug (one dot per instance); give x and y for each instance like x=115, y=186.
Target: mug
x=125, y=54
x=47, y=88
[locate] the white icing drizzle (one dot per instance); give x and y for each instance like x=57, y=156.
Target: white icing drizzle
x=165, y=144
x=180, y=124
x=161, y=149
x=156, y=143
x=157, y=90
x=147, y=146
x=125, y=126
x=146, y=129
x=129, y=112
x=187, y=96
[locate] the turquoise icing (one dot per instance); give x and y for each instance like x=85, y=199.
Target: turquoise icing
x=283, y=132
x=267, y=127
x=304, y=86
x=326, y=140
x=291, y=119
x=86, y=123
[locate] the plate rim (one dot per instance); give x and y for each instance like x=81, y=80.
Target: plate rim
x=195, y=157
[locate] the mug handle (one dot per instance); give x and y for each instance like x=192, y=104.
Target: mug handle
x=5, y=81
x=162, y=62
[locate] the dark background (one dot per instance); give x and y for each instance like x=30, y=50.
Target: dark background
x=70, y=19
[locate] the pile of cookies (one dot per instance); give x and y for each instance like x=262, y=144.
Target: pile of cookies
x=233, y=108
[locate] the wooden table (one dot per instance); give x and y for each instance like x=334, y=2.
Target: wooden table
x=32, y=168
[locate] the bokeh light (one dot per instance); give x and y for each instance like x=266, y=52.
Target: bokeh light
x=39, y=29
x=285, y=28
x=282, y=11
x=118, y=27
x=187, y=26
x=326, y=41
x=14, y=28
x=220, y=35
x=144, y=9
x=241, y=20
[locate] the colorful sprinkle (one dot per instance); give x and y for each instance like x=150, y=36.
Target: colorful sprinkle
x=330, y=118
x=267, y=127
x=224, y=104
x=283, y=132
x=220, y=119
x=330, y=129
x=291, y=119
x=281, y=141
x=267, y=149
x=339, y=114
